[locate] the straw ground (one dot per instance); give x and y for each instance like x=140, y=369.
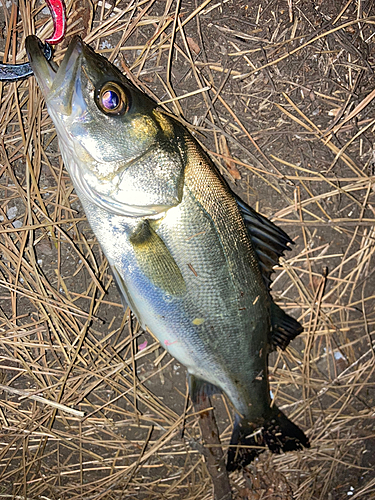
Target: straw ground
x=281, y=95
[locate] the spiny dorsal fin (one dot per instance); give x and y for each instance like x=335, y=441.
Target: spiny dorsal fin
x=269, y=241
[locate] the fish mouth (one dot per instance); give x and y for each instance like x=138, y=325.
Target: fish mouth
x=57, y=82
x=42, y=69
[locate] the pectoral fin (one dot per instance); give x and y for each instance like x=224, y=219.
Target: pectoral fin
x=155, y=260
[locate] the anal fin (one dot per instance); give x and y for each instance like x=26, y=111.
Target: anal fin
x=200, y=390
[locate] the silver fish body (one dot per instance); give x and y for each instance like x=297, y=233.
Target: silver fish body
x=191, y=260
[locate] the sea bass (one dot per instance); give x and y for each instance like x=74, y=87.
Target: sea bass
x=191, y=260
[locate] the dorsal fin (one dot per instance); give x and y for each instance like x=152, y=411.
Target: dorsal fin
x=269, y=241
x=284, y=327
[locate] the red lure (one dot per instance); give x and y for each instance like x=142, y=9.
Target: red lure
x=57, y=9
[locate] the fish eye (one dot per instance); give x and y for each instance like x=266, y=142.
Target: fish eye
x=112, y=98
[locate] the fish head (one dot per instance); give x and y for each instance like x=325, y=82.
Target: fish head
x=121, y=151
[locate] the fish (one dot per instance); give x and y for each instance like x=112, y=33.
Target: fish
x=190, y=258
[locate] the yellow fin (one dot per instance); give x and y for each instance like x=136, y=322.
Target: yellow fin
x=155, y=260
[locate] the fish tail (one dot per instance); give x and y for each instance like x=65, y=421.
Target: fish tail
x=278, y=433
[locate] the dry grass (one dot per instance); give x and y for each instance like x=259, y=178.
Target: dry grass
x=282, y=93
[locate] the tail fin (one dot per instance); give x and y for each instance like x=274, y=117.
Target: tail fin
x=278, y=433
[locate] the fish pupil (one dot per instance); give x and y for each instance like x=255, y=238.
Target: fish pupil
x=110, y=99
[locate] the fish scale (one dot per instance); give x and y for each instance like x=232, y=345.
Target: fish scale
x=191, y=259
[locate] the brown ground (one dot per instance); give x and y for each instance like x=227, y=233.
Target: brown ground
x=288, y=119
